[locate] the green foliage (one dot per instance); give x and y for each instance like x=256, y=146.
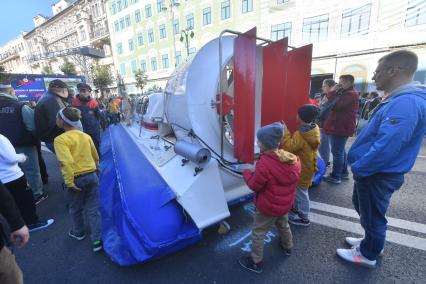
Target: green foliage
x=141, y=79
x=68, y=68
x=102, y=77
x=47, y=69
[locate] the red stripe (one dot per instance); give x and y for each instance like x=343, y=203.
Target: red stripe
x=244, y=95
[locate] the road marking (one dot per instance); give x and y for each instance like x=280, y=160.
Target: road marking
x=421, y=156
x=394, y=222
x=349, y=226
x=391, y=236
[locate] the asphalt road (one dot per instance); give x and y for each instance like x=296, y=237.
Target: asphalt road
x=52, y=257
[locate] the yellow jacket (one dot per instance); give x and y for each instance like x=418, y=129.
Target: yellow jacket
x=304, y=143
x=113, y=107
x=76, y=154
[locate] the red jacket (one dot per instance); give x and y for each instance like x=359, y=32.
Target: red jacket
x=341, y=120
x=274, y=182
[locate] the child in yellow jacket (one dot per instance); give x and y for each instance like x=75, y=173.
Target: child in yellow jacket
x=78, y=160
x=303, y=143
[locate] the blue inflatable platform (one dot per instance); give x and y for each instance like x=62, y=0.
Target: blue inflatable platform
x=141, y=219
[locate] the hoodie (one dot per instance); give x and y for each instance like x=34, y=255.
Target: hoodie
x=274, y=182
x=392, y=139
x=304, y=143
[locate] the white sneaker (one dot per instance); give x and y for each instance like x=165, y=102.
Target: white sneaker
x=353, y=241
x=354, y=255
x=356, y=242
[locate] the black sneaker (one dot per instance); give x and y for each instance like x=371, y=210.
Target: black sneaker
x=332, y=179
x=247, y=263
x=300, y=222
x=345, y=176
x=40, y=198
x=40, y=225
x=287, y=251
x=75, y=236
x=97, y=245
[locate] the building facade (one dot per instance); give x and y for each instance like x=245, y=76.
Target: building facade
x=74, y=24
x=348, y=36
x=13, y=55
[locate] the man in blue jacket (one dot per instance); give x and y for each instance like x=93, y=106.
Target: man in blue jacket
x=384, y=151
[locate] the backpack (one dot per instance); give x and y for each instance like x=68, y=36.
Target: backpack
x=325, y=109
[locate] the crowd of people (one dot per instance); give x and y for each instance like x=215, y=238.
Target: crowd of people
x=70, y=127
x=383, y=152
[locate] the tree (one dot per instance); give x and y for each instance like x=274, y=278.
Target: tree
x=68, y=68
x=141, y=79
x=47, y=69
x=102, y=77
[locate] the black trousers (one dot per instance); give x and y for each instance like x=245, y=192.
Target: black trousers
x=24, y=198
x=42, y=165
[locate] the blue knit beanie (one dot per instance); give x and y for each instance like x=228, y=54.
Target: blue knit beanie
x=270, y=135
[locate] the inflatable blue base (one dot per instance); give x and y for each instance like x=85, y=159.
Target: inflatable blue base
x=141, y=219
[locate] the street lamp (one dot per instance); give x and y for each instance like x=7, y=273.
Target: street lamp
x=184, y=36
x=172, y=3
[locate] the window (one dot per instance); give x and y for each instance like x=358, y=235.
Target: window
x=416, y=13
x=140, y=39
x=315, y=29
x=148, y=11
x=131, y=45
x=165, y=60
x=192, y=51
x=116, y=26
x=163, y=31
x=150, y=36
x=138, y=16
x=160, y=5
x=133, y=66
x=176, y=27
x=190, y=21
x=114, y=8
x=355, y=21
x=143, y=65
x=207, y=16
x=119, y=8
x=119, y=48
x=82, y=33
x=281, y=31
x=153, y=63
x=247, y=6
x=125, y=4
x=281, y=2
x=122, y=23
x=225, y=10
x=123, y=69
x=128, y=22
x=178, y=58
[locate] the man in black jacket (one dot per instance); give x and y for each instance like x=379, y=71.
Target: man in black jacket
x=10, y=273
x=46, y=111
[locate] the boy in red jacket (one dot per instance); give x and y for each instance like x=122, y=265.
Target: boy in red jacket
x=274, y=183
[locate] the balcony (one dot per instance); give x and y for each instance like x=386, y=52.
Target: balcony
x=99, y=34
x=9, y=55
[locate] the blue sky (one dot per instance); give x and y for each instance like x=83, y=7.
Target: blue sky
x=17, y=16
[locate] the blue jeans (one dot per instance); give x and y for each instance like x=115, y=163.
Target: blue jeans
x=302, y=203
x=340, y=166
x=31, y=169
x=50, y=146
x=88, y=201
x=371, y=198
x=324, y=148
